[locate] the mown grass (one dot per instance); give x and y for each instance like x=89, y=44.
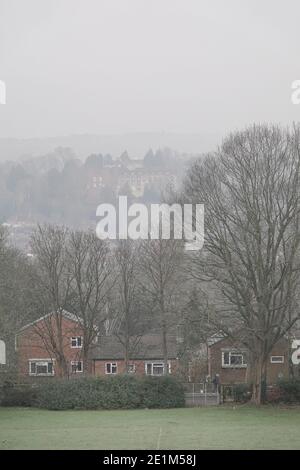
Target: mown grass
x=223, y=427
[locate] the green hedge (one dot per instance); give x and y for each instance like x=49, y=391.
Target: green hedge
x=162, y=392
x=289, y=390
x=111, y=393
x=16, y=395
x=242, y=393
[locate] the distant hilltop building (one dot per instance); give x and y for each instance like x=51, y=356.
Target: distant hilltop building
x=154, y=172
x=139, y=179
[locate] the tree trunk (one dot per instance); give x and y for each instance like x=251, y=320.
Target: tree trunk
x=290, y=352
x=259, y=376
x=165, y=348
x=85, y=359
x=126, y=353
x=62, y=363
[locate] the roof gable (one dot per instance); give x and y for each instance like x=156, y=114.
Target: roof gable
x=68, y=315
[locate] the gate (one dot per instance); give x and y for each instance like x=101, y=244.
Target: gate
x=201, y=394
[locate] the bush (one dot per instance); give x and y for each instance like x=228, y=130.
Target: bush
x=68, y=394
x=17, y=395
x=289, y=390
x=111, y=393
x=242, y=393
x=273, y=394
x=162, y=392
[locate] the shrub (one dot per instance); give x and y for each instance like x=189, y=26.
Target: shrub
x=122, y=392
x=273, y=394
x=289, y=390
x=17, y=395
x=111, y=393
x=68, y=394
x=242, y=393
x=162, y=392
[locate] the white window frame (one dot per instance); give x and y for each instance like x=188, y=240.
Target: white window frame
x=75, y=338
x=233, y=366
x=41, y=362
x=75, y=363
x=156, y=364
x=111, y=364
x=274, y=361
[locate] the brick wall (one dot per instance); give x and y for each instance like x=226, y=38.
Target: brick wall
x=235, y=375
x=99, y=366
x=34, y=343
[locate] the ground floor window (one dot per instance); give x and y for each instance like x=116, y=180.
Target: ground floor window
x=76, y=366
x=233, y=359
x=41, y=367
x=111, y=368
x=156, y=368
x=277, y=359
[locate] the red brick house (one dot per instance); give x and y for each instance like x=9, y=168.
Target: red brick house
x=229, y=359
x=146, y=358
x=36, y=355
x=35, y=350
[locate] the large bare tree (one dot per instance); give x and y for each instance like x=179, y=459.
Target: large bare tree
x=92, y=276
x=163, y=283
x=129, y=311
x=52, y=288
x=250, y=189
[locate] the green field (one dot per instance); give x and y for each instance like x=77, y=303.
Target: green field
x=242, y=427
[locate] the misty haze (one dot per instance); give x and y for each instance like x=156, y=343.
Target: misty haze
x=171, y=103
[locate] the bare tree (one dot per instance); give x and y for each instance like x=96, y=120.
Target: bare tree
x=52, y=288
x=162, y=281
x=15, y=294
x=129, y=310
x=92, y=276
x=250, y=189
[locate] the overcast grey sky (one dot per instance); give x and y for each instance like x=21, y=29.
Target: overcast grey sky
x=118, y=66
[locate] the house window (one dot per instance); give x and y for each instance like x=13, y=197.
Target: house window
x=131, y=368
x=277, y=359
x=233, y=359
x=155, y=368
x=41, y=367
x=111, y=368
x=76, y=366
x=76, y=342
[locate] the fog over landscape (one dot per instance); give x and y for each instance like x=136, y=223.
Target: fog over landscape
x=87, y=80
x=149, y=228
x=115, y=67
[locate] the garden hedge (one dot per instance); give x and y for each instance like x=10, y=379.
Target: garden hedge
x=17, y=395
x=289, y=390
x=119, y=392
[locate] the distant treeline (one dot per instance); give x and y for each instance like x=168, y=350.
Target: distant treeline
x=58, y=187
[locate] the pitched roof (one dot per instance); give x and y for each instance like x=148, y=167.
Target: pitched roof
x=215, y=338
x=147, y=347
x=65, y=313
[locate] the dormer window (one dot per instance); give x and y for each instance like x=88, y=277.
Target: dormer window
x=76, y=342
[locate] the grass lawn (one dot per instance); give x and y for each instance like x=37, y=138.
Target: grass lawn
x=243, y=427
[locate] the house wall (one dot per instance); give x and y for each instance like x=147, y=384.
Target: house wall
x=237, y=375
x=34, y=343
x=99, y=366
